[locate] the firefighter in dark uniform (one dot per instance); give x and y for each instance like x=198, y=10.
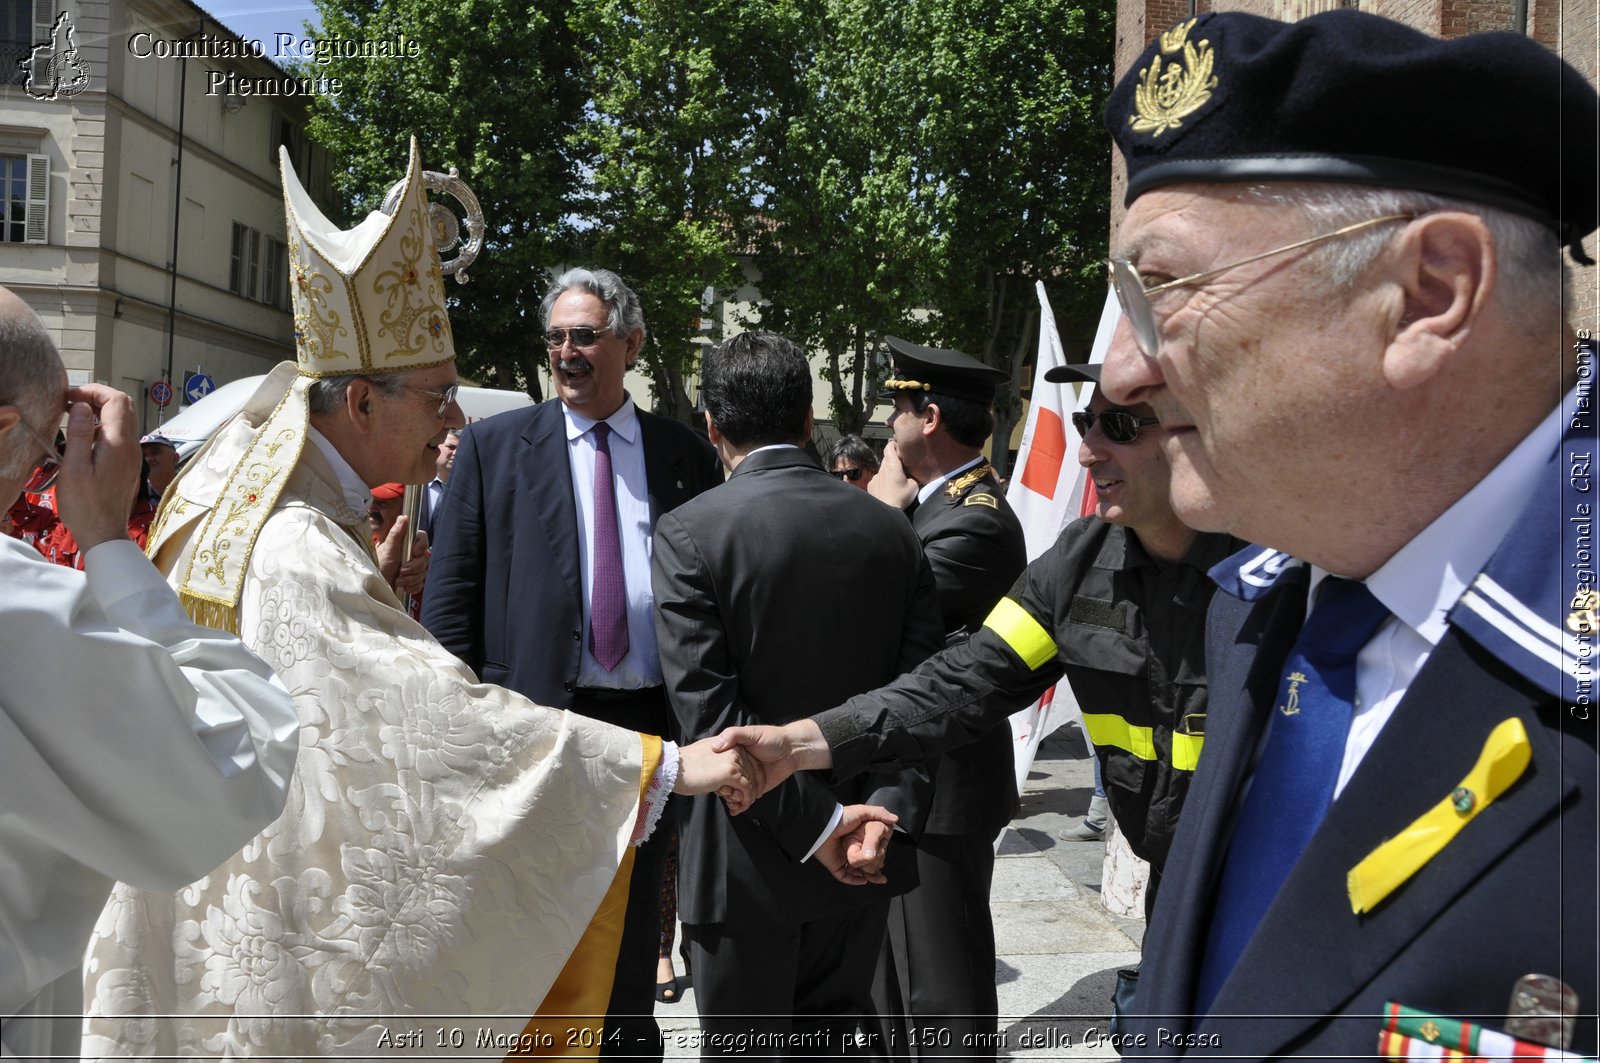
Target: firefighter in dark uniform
x=935, y=989
x=1133, y=580
x=1117, y=606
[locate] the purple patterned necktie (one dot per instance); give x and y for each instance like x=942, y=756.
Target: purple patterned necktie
x=608, y=598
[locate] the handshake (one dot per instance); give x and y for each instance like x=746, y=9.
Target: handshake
x=742, y=763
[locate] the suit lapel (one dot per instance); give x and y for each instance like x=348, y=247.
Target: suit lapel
x=1430, y=743
x=665, y=477
x=544, y=492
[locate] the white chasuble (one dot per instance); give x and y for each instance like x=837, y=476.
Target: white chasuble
x=444, y=844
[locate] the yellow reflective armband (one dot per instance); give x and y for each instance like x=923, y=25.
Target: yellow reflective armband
x=1026, y=636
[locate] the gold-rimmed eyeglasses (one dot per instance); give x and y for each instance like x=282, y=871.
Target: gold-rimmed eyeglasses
x=1134, y=297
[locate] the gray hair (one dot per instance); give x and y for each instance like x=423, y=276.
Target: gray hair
x=30, y=379
x=623, y=314
x=328, y=393
x=1534, y=282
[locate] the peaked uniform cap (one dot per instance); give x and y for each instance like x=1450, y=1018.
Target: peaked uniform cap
x=369, y=299
x=960, y=376
x=1350, y=97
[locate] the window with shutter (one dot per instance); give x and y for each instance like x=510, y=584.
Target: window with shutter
x=38, y=219
x=24, y=199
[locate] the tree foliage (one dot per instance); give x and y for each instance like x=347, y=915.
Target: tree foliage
x=905, y=169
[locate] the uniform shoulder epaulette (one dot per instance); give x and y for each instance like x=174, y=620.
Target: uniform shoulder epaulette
x=981, y=500
x=955, y=488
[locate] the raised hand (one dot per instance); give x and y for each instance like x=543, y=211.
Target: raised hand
x=860, y=838
x=731, y=773
x=892, y=485
x=780, y=751
x=100, y=470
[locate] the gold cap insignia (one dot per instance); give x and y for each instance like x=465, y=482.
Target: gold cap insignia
x=1164, y=97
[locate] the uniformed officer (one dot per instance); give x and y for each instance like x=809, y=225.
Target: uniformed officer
x=937, y=969
x=1396, y=816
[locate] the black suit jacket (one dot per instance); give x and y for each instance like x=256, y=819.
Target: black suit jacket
x=781, y=591
x=975, y=545
x=504, y=586
x=1512, y=893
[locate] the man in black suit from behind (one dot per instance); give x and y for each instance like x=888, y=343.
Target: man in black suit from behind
x=781, y=590
x=513, y=590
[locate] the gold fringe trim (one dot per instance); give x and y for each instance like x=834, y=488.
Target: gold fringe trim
x=210, y=613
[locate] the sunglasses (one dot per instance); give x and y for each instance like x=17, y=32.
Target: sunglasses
x=846, y=474
x=580, y=335
x=1120, y=426
x=45, y=474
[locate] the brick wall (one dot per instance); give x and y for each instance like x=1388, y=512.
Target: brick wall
x=1571, y=27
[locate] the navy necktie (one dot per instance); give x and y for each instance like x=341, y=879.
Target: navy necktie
x=608, y=596
x=1294, y=780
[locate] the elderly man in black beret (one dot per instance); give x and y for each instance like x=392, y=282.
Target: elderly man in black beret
x=1345, y=302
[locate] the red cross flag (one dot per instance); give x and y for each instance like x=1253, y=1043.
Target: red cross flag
x=1050, y=490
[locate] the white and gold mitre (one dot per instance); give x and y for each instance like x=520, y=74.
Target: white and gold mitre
x=368, y=299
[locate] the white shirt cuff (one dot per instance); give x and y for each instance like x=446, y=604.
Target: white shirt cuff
x=827, y=832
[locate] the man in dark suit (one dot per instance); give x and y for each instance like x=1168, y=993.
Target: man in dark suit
x=781, y=589
x=938, y=966
x=542, y=579
x=433, y=490
x=1393, y=826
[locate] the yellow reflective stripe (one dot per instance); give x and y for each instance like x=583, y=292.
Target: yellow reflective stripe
x=1186, y=751
x=1108, y=730
x=1026, y=636
x=1504, y=758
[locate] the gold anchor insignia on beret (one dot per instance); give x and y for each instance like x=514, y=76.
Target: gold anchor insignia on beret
x=1164, y=97
x=1585, y=616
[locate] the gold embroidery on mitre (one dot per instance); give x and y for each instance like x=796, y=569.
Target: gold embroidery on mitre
x=1164, y=97
x=412, y=288
x=316, y=324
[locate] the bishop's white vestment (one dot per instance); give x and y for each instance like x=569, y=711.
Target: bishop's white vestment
x=444, y=845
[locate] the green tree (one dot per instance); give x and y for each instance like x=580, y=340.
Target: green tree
x=497, y=91
x=937, y=157
x=676, y=89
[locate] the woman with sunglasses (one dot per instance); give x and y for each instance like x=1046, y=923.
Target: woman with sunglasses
x=853, y=460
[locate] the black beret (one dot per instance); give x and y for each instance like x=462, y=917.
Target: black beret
x=951, y=373
x=1345, y=96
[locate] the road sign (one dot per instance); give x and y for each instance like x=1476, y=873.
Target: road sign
x=197, y=386
x=161, y=393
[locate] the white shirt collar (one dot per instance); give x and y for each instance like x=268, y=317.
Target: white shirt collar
x=1423, y=580
x=624, y=422
x=926, y=491
x=357, y=495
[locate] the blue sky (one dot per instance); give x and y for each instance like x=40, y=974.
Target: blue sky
x=260, y=19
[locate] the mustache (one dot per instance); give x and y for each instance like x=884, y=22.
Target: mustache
x=575, y=364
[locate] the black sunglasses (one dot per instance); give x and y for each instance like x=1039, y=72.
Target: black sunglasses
x=46, y=473
x=846, y=474
x=580, y=335
x=1120, y=426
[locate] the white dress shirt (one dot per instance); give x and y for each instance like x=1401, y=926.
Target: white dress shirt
x=1426, y=577
x=642, y=665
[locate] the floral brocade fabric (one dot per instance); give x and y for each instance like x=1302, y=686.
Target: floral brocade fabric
x=443, y=846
